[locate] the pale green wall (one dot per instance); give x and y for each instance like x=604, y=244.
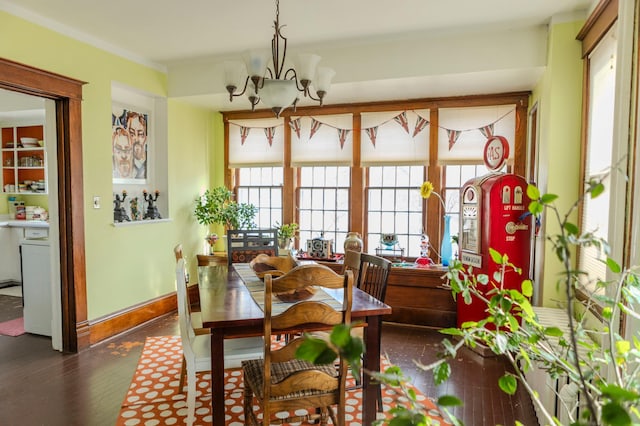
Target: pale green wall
x=559, y=98
x=216, y=158
x=125, y=265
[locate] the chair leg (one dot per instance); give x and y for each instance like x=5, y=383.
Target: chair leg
x=191, y=397
x=248, y=407
x=324, y=417
x=183, y=375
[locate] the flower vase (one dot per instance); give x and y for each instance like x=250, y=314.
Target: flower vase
x=284, y=246
x=446, y=250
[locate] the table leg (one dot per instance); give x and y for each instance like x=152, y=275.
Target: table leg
x=371, y=363
x=217, y=377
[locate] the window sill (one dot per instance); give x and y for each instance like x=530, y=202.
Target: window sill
x=140, y=222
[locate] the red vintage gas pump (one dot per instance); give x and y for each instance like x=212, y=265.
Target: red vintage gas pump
x=494, y=214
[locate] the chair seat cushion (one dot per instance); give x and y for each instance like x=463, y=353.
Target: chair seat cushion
x=254, y=374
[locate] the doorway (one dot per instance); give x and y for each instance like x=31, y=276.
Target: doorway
x=29, y=272
x=67, y=95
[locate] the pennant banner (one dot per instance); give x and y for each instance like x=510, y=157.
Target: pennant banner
x=372, y=132
x=295, y=126
x=315, y=126
x=342, y=135
x=401, y=119
x=244, y=132
x=421, y=123
x=487, y=131
x=270, y=132
x=453, y=137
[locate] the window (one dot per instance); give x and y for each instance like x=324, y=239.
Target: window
x=455, y=178
x=262, y=187
x=324, y=204
x=394, y=205
x=599, y=149
x=379, y=155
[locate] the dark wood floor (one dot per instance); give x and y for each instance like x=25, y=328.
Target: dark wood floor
x=39, y=386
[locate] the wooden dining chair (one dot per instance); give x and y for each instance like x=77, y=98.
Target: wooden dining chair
x=351, y=262
x=279, y=381
x=373, y=274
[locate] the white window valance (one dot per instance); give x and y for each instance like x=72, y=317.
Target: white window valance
x=398, y=137
x=256, y=142
x=463, y=132
x=322, y=140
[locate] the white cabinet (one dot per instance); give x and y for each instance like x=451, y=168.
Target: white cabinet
x=9, y=254
x=36, y=286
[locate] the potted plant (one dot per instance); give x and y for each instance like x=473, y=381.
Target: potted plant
x=218, y=206
x=286, y=232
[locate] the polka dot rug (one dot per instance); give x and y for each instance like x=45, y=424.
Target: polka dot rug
x=153, y=397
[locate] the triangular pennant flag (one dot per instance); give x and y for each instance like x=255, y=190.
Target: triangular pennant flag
x=487, y=131
x=342, y=135
x=244, y=132
x=315, y=125
x=295, y=126
x=421, y=123
x=401, y=119
x=453, y=137
x=270, y=133
x=372, y=132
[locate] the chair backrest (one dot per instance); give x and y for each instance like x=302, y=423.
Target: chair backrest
x=245, y=244
x=307, y=315
x=177, y=251
x=186, y=331
x=351, y=262
x=373, y=275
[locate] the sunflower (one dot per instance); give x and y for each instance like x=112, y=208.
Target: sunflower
x=426, y=189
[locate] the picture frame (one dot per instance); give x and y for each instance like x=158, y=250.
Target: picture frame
x=131, y=144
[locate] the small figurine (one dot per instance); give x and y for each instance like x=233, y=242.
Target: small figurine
x=211, y=239
x=135, y=212
x=119, y=213
x=152, y=210
x=424, y=260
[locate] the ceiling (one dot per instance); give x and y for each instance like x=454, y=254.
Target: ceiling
x=171, y=35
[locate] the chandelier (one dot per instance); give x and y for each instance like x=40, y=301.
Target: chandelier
x=275, y=87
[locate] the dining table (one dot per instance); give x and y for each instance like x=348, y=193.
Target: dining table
x=229, y=310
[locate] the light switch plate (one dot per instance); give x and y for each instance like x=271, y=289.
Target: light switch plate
x=96, y=202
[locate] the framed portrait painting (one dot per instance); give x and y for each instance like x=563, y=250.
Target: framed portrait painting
x=131, y=144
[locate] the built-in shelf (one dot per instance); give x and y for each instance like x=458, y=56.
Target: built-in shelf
x=24, y=169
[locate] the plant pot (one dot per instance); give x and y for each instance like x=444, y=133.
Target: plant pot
x=285, y=243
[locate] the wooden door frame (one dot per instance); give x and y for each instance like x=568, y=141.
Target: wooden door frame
x=67, y=94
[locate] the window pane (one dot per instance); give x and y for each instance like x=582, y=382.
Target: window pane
x=375, y=176
x=375, y=200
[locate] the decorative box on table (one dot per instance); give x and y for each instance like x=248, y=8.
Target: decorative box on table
x=320, y=247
